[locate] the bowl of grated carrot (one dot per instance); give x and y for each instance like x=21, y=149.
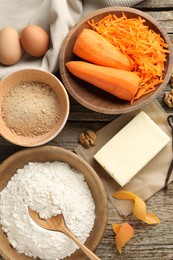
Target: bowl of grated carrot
x=116, y=60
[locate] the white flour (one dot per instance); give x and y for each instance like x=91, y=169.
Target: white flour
x=48, y=188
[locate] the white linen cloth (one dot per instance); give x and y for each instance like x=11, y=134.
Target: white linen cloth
x=55, y=16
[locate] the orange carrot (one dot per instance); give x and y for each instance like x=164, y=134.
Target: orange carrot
x=120, y=83
x=144, y=47
x=139, y=209
x=124, y=232
x=93, y=47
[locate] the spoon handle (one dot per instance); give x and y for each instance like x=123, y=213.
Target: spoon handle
x=86, y=250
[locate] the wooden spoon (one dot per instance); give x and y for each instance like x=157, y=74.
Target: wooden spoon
x=57, y=224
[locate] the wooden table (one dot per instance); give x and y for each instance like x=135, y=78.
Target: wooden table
x=149, y=242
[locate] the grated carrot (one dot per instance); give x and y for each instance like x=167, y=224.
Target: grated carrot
x=144, y=47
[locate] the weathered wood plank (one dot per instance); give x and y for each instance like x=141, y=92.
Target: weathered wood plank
x=149, y=242
x=68, y=138
x=165, y=19
x=154, y=4
x=80, y=113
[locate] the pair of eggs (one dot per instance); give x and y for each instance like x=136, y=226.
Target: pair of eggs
x=33, y=39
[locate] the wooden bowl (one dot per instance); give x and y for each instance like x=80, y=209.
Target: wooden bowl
x=52, y=153
x=25, y=75
x=91, y=97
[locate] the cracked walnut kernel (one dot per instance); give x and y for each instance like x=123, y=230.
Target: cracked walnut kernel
x=168, y=98
x=88, y=139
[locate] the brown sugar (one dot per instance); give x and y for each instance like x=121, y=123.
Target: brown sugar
x=30, y=109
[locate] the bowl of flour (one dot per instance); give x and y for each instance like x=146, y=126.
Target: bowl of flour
x=50, y=180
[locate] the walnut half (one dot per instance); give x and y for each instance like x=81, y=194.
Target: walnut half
x=168, y=98
x=88, y=139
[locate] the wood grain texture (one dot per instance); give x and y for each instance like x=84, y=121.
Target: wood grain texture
x=164, y=18
x=155, y=4
x=149, y=242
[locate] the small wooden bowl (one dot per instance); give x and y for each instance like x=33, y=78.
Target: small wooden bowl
x=93, y=98
x=25, y=75
x=52, y=153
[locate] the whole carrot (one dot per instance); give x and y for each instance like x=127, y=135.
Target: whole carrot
x=120, y=83
x=93, y=47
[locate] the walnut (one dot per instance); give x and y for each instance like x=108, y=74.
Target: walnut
x=168, y=98
x=88, y=139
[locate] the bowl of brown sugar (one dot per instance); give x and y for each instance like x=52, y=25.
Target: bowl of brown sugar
x=34, y=107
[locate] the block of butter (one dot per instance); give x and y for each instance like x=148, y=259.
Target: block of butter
x=124, y=155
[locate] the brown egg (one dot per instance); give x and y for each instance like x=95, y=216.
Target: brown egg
x=10, y=47
x=35, y=40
